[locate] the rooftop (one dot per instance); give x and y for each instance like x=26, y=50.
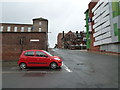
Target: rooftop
x=41, y=19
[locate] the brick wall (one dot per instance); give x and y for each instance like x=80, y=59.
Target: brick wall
x=13, y=43
x=91, y=6
x=16, y=38
x=59, y=41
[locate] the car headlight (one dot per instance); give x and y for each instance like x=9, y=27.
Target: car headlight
x=56, y=58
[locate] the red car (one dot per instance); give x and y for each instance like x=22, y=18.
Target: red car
x=38, y=58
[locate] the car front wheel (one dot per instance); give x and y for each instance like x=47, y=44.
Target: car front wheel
x=23, y=66
x=53, y=65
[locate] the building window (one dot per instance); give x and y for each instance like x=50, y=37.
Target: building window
x=90, y=27
x=40, y=23
x=15, y=29
x=22, y=29
x=39, y=29
x=34, y=40
x=8, y=28
x=29, y=29
x=84, y=39
x=1, y=28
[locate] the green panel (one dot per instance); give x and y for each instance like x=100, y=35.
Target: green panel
x=88, y=43
x=115, y=8
x=115, y=29
x=119, y=35
x=87, y=30
x=119, y=8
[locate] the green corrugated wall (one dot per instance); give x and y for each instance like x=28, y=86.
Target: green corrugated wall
x=87, y=30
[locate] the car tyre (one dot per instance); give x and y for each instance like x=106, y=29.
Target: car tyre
x=59, y=67
x=53, y=65
x=23, y=66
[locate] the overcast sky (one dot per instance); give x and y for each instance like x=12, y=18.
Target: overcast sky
x=63, y=15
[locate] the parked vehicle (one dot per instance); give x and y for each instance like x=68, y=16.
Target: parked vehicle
x=38, y=58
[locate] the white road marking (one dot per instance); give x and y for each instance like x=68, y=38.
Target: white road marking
x=66, y=68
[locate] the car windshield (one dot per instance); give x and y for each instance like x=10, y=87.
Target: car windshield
x=48, y=53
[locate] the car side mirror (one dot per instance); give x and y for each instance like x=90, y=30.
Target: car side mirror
x=46, y=56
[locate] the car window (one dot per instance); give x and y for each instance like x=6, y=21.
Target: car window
x=40, y=54
x=30, y=53
x=48, y=53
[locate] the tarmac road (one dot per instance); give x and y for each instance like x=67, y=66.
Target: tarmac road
x=80, y=69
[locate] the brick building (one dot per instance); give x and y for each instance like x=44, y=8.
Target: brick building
x=59, y=40
x=19, y=37
x=72, y=40
x=89, y=27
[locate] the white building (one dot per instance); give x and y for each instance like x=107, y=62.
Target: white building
x=107, y=25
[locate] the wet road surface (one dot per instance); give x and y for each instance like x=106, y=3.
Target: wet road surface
x=80, y=69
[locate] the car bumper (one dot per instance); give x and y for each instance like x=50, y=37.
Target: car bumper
x=59, y=63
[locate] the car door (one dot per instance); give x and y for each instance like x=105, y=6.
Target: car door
x=30, y=58
x=42, y=58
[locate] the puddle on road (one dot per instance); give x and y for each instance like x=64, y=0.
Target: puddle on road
x=80, y=64
x=34, y=74
x=40, y=72
x=84, y=68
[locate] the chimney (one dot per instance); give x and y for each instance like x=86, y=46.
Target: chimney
x=77, y=33
x=63, y=34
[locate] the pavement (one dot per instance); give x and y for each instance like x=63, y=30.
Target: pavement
x=106, y=53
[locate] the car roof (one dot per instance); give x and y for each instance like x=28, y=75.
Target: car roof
x=32, y=50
